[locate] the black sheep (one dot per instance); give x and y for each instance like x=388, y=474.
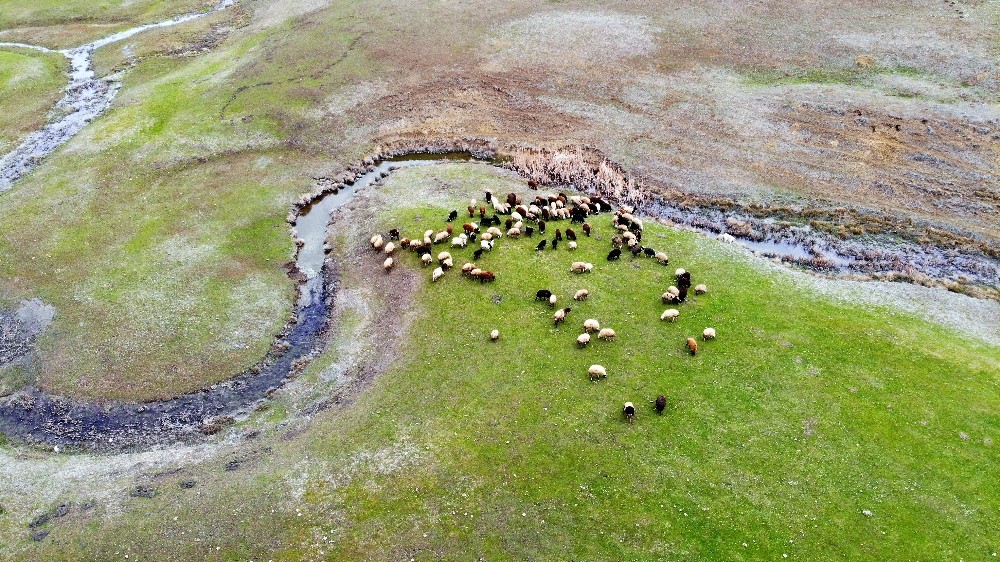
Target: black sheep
x=543, y=295
x=684, y=280
x=394, y=234
x=614, y=254
x=570, y=234
x=636, y=250
x=555, y=243
x=489, y=196
x=452, y=216
x=541, y=227
x=528, y=231
x=683, y=294
x=477, y=254
x=629, y=411
x=650, y=253
x=509, y=223
x=541, y=245
x=661, y=403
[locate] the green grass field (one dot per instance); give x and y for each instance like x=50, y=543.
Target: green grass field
x=30, y=84
x=779, y=436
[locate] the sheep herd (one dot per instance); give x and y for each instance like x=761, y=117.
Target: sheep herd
x=532, y=219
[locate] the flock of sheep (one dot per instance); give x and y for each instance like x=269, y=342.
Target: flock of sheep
x=527, y=220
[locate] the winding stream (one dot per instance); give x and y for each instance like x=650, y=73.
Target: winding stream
x=36, y=416
x=85, y=98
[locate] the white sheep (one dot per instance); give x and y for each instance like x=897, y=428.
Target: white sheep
x=390, y=248
x=447, y=263
x=552, y=301
x=414, y=244
x=495, y=335
x=662, y=258
x=376, y=242
x=438, y=273
x=597, y=372
x=670, y=314
x=700, y=289
x=571, y=245
x=516, y=216
x=514, y=232
x=486, y=245
x=460, y=241
x=441, y=236
x=582, y=340
x=680, y=271
x=708, y=334
x=581, y=267
x=607, y=334
x=487, y=237
x=673, y=290
x=467, y=268
x=427, y=259
x=581, y=295
x=728, y=238
x=444, y=256
x=560, y=315
x=387, y=264
x=496, y=232
x=591, y=325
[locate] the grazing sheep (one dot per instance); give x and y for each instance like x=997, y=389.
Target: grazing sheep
x=597, y=372
x=649, y=252
x=438, y=273
x=708, y=334
x=682, y=295
x=478, y=254
x=394, y=234
x=614, y=254
x=684, y=280
x=571, y=245
x=555, y=244
x=514, y=232
x=560, y=315
x=387, y=264
x=700, y=289
x=441, y=236
x=414, y=244
x=460, y=241
x=629, y=412
x=542, y=294
x=472, y=209
x=447, y=263
x=559, y=235
x=582, y=340
x=529, y=231
x=680, y=271
x=487, y=277
x=661, y=403
x=390, y=248
x=728, y=238
x=591, y=325
x=607, y=334
x=376, y=242
x=670, y=314
x=427, y=259
x=452, y=216
x=541, y=245
x=692, y=346
x=662, y=258
x=552, y=301
x=581, y=295
x=495, y=335
x=570, y=234
x=496, y=232
x=486, y=245
x=673, y=290
x=443, y=256
x=467, y=268
x=586, y=229
x=669, y=298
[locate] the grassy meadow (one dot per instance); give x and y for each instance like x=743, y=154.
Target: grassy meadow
x=30, y=84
